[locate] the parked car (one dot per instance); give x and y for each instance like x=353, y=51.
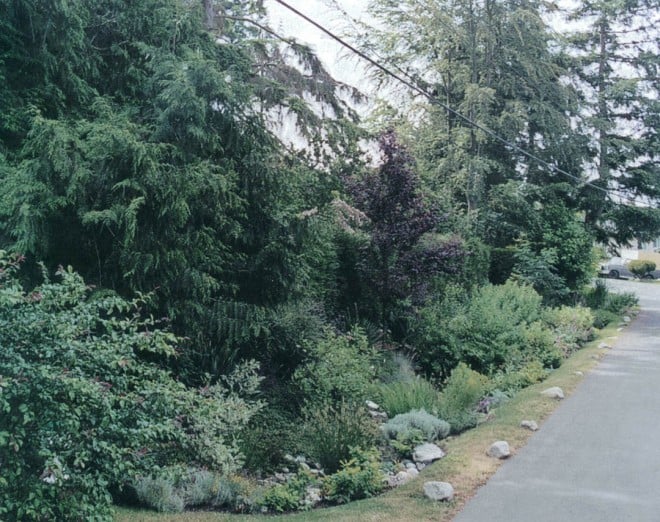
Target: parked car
x=617, y=267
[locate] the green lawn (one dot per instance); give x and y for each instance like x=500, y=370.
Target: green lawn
x=466, y=465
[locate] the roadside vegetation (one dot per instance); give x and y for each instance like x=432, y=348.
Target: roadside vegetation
x=200, y=313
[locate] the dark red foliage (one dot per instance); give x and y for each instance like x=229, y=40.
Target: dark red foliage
x=400, y=265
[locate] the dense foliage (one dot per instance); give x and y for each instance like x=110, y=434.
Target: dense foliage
x=83, y=412
x=192, y=164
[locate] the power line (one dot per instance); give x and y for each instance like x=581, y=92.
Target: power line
x=408, y=81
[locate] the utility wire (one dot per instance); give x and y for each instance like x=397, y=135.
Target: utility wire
x=409, y=82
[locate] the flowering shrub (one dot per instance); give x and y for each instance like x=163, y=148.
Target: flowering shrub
x=83, y=413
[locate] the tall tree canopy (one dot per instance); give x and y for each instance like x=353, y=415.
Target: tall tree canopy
x=615, y=66
x=137, y=146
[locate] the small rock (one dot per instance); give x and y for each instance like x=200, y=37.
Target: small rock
x=304, y=466
x=410, y=465
x=619, y=329
x=401, y=478
x=579, y=373
x=554, y=393
x=530, y=425
x=626, y=319
x=372, y=405
x=420, y=466
x=604, y=345
x=412, y=472
x=378, y=415
x=499, y=450
x=427, y=453
x=440, y=491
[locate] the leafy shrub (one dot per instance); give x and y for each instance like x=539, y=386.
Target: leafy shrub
x=280, y=499
x=641, y=267
x=429, y=426
x=287, y=497
x=529, y=374
x=541, y=345
x=604, y=317
x=619, y=303
x=272, y=432
x=460, y=396
x=434, y=337
x=359, y=477
x=491, y=332
x=401, y=397
x=339, y=368
x=573, y=326
x=329, y=433
x=159, y=494
x=84, y=413
x=595, y=297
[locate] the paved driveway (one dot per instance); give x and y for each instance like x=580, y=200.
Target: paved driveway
x=597, y=458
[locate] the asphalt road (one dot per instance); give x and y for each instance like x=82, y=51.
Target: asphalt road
x=597, y=457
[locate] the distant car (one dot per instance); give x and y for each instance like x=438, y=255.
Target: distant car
x=617, y=267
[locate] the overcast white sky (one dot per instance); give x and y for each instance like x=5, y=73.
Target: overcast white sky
x=327, y=49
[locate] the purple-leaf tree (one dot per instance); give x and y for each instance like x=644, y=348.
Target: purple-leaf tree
x=404, y=254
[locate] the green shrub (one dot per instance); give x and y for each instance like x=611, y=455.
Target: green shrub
x=359, y=477
x=529, y=374
x=429, y=426
x=83, y=412
x=572, y=326
x=339, y=368
x=287, y=497
x=491, y=332
x=434, y=338
x=272, y=432
x=604, y=317
x=400, y=397
x=329, y=433
x=159, y=494
x=460, y=396
x=595, y=297
x=280, y=499
x=620, y=303
x=641, y=267
x=541, y=345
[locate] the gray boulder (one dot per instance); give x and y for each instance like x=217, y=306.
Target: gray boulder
x=440, y=491
x=427, y=453
x=499, y=450
x=412, y=472
x=530, y=425
x=554, y=393
x=401, y=478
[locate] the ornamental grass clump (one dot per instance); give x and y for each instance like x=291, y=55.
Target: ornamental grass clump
x=403, y=396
